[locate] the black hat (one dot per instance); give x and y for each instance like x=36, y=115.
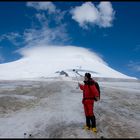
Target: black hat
x=88, y=75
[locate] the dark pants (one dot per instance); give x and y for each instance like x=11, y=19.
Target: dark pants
x=91, y=121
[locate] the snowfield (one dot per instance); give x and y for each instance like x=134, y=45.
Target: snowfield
x=51, y=61
x=52, y=108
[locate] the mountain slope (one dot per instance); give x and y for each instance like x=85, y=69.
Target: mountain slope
x=50, y=61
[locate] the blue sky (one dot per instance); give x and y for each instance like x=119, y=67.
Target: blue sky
x=111, y=29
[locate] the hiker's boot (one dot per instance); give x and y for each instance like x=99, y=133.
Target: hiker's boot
x=86, y=127
x=94, y=129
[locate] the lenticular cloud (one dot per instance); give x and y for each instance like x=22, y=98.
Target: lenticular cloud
x=48, y=61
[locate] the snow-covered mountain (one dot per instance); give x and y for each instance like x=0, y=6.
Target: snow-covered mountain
x=52, y=61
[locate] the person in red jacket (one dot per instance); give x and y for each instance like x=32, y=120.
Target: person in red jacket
x=89, y=93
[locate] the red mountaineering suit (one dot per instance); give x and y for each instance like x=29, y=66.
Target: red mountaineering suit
x=89, y=92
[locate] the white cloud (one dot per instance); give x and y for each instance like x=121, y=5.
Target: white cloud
x=49, y=6
x=41, y=17
x=87, y=13
x=102, y=15
x=12, y=37
x=134, y=66
x=45, y=35
x=47, y=10
x=106, y=14
x=41, y=33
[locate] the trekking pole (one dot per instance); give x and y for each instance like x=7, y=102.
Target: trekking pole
x=75, y=75
x=25, y=135
x=76, y=78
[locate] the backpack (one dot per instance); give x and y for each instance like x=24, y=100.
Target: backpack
x=98, y=89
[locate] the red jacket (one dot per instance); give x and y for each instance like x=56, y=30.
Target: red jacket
x=89, y=91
